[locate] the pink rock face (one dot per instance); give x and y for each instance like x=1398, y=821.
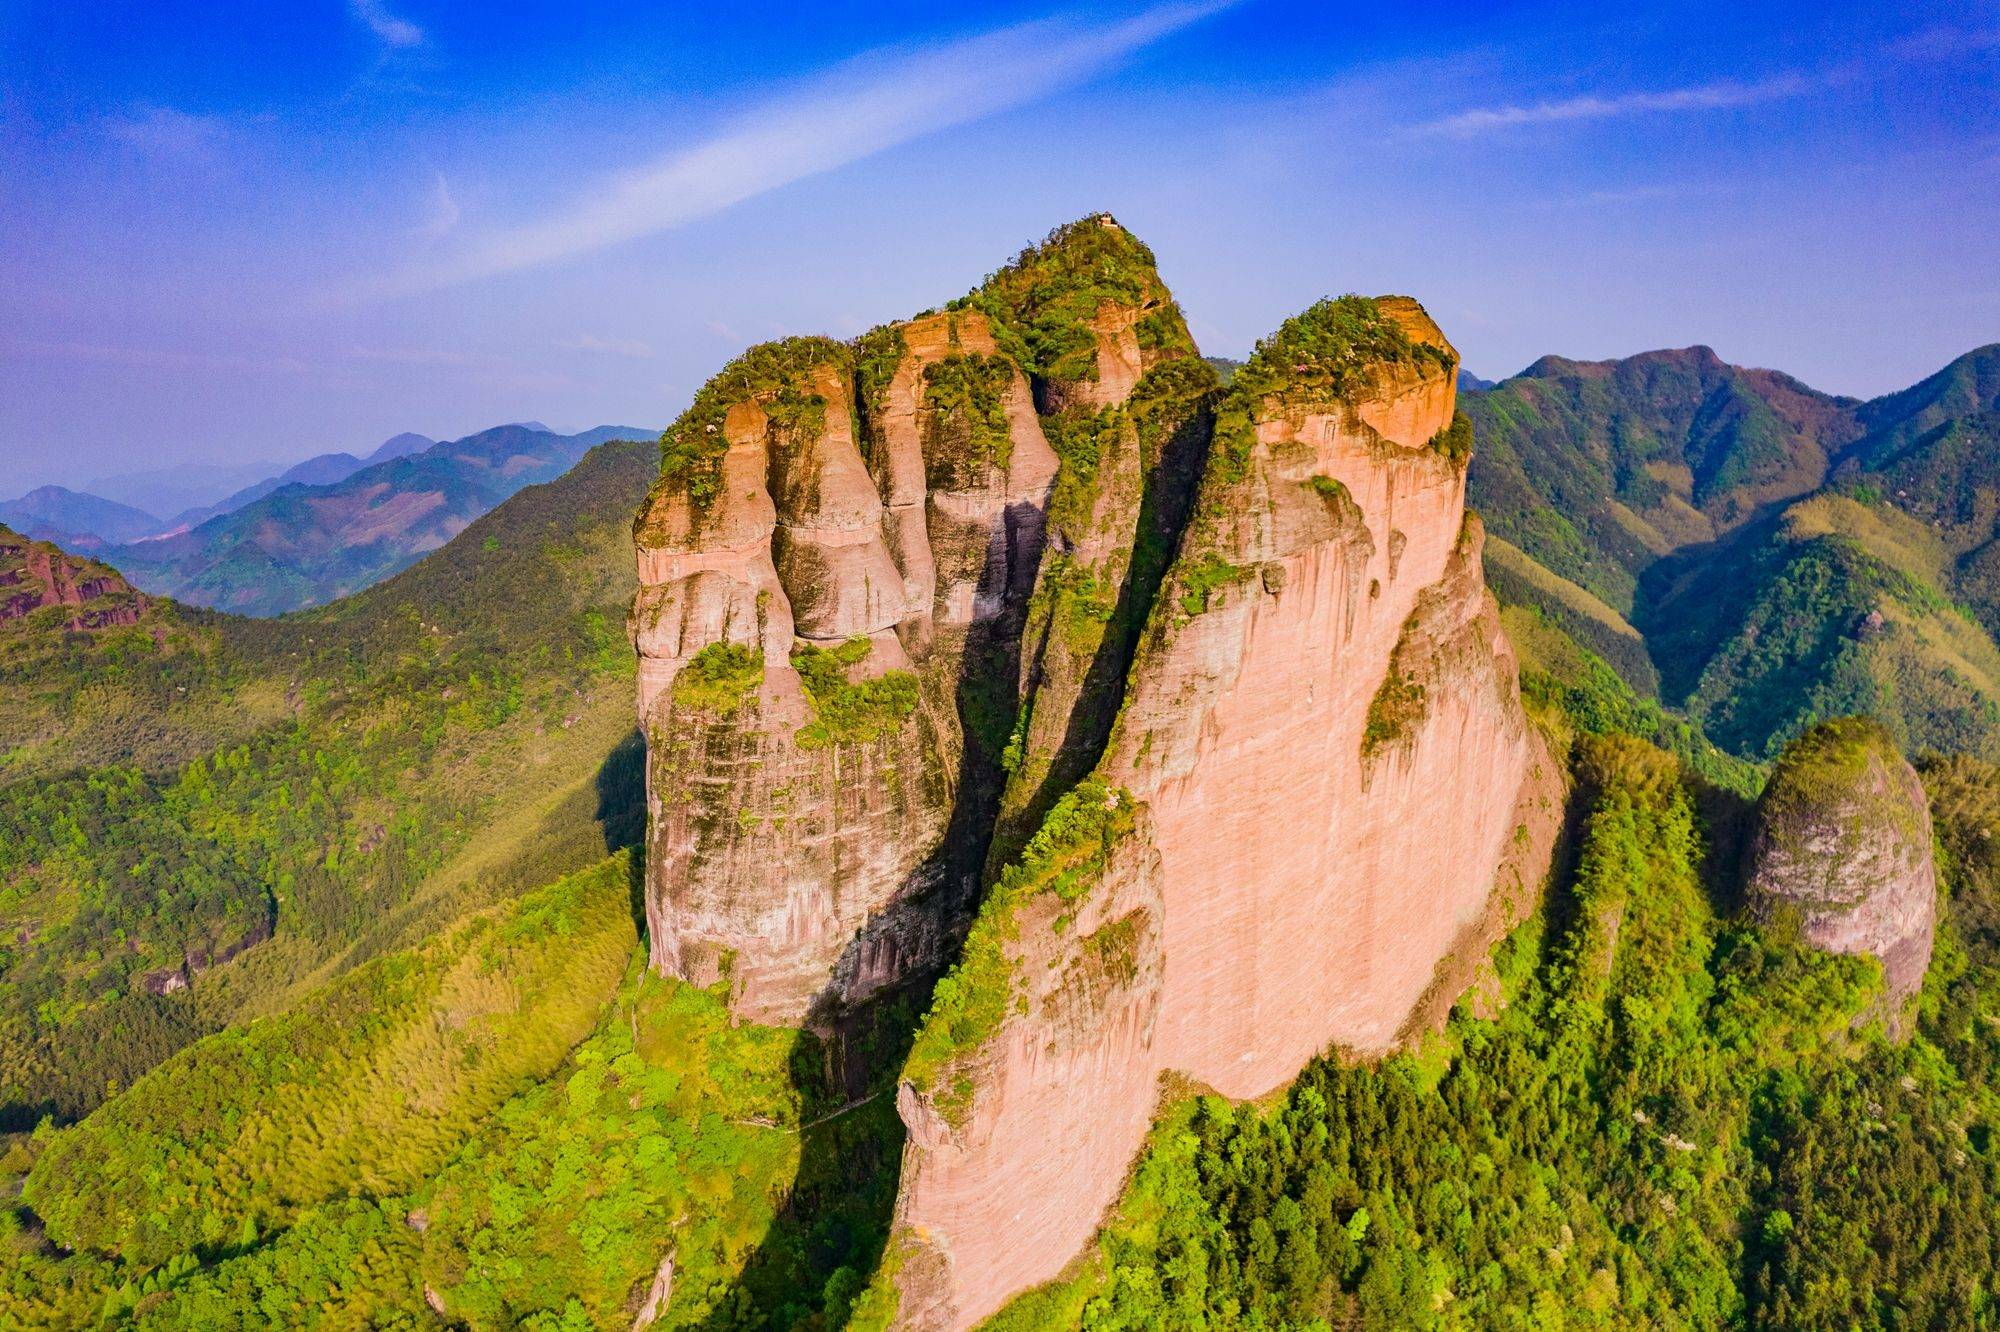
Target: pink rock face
x=1300, y=877
x=813, y=873
x=34, y=574
x=1063, y=1102
x=770, y=856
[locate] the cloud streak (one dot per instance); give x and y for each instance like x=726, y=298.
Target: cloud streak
x=629, y=348
x=871, y=104
x=1703, y=97
x=388, y=29
x=1931, y=45
x=162, y=131
x=442, y=212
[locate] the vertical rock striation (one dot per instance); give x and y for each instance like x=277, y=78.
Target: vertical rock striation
x=1301, y=807
x=835, y=569
x=1843, y=843
x=1202, y=686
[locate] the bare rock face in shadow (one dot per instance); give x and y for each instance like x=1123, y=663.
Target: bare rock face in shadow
x=1842, y=842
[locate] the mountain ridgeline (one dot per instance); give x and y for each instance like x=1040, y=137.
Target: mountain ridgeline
x=1093, y=854
x=1754, y=552
x=327, y=529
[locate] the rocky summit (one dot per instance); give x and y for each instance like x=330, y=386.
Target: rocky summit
x=1179, y=715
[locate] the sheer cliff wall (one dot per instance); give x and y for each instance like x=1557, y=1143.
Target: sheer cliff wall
x=1302, y=806
x=836, y=566
x=1171, y=724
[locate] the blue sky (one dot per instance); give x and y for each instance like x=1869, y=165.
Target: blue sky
x=262, y=231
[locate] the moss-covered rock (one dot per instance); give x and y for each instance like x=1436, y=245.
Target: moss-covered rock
x=1843, y=845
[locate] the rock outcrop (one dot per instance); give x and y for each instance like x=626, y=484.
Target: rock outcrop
x=1843, y=843
x=1202, y=687
x=1302, y=807
x=835, y=569
x=36, y=574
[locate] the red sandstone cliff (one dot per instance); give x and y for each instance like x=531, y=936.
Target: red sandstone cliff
x=1212, y=674
x=1303, y=805
x=870, y=517
x=36, y=574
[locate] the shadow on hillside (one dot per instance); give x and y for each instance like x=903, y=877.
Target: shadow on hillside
x=621, y=815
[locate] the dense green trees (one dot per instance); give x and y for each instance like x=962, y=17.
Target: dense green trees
x=1676, y=1121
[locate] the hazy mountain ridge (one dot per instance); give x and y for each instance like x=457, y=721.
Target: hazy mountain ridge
x=323, y=469
x=76, y=520
x=301, y=545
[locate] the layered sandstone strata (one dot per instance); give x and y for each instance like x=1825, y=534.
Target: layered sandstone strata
x=835, y=569
x=36, y=574
x=1303, y=805
x=1842, y=843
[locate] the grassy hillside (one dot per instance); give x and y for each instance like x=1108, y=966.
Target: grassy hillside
x=305, y=545
x=356, y=1158
x=338, y=784
x=363, y=1087
x=1833, y=606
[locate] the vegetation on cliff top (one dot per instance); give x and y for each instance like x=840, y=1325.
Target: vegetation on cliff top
x=847, y=712
x=1833, y=792
x=1323, y=355
x=1042, y=304
x=773, y=373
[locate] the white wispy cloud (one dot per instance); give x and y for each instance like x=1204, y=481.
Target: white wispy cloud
x=875, y=102
x=1931, y=45
x=1702, y=97
x=387, y=27
x=427, y=356
x=158, y=358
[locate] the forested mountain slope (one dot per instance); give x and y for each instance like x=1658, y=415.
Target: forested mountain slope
x=306, y=792
x=1784, y=555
